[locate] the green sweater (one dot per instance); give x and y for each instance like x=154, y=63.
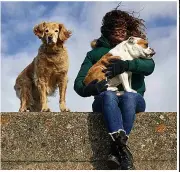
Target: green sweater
x=139, y=68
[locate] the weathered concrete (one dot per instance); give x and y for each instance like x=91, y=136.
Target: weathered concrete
x=80, y=141
x=97, y=165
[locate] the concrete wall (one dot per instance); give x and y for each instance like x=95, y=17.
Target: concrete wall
x=65, y=141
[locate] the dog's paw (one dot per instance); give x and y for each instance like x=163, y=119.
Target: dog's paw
x=23, y=110
x=63, y=108
x=131, y=90
x=134, y=91
x=112, y=88
x=45, y=110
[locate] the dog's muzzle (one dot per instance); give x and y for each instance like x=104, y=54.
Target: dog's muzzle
x=152, y=52
x=49, y=39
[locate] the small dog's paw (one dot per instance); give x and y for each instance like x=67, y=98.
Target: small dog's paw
x=134, y=91
x=112, y=88
x=131, y=90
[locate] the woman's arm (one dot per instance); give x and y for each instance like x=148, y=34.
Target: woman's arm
x=142, y=66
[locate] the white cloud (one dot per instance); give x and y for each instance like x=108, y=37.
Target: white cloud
x=161, y=91
x=161, y=85
x=11, y=67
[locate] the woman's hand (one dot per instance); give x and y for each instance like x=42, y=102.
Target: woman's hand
x=115, y=67
x=95, y=88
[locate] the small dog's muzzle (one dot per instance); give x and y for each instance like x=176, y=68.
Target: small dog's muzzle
x=152, y=52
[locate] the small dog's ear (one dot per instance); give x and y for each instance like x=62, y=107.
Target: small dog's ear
x=64, y=34
x=131, y=39
x=39, y=30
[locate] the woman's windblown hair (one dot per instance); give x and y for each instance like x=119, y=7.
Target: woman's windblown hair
x=117, y=21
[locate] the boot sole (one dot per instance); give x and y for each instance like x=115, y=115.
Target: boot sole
x=113, y=162
x=133, y=168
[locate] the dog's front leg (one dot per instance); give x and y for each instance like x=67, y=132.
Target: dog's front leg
x=130, y=79
x=62, y=91
x=125, y=82
x=43, y=96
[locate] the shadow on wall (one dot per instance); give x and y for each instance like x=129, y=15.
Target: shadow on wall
x=99, y=140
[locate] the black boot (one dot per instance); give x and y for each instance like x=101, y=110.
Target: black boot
x=121, y=156
x=113, y=161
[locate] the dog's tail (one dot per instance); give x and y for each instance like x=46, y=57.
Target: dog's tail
x=94, y=43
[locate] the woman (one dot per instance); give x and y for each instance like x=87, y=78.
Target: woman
x=118, y=111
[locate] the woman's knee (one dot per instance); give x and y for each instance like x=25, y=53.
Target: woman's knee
x=129, y=97
x=109, y=96
x=133, y=100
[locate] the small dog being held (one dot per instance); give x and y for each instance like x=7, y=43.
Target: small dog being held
x=129, y=49
x=47, y=72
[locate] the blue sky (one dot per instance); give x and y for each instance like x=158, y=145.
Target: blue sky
x=24, y=13
x=19, y=45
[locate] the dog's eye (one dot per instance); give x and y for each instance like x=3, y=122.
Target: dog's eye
x=46, y=30
x=56, y=30
x=146, y=45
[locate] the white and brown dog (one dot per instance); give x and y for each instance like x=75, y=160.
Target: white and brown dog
x=129, y=49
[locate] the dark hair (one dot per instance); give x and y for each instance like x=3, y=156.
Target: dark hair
x=117, y=20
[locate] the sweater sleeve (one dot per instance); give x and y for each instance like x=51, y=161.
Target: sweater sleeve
x=78, y=83
x=141, y=66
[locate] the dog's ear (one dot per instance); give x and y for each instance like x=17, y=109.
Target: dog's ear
x=131, y=39
x=39, y=30
x=64, y=34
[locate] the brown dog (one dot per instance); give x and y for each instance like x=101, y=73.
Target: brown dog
x=47, y=71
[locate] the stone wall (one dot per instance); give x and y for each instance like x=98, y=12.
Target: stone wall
x=65, y=141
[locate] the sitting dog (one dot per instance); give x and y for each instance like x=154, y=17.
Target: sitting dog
x=47, y=71
x=129, y=49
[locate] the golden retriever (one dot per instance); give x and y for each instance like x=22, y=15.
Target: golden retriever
x=47, y=71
